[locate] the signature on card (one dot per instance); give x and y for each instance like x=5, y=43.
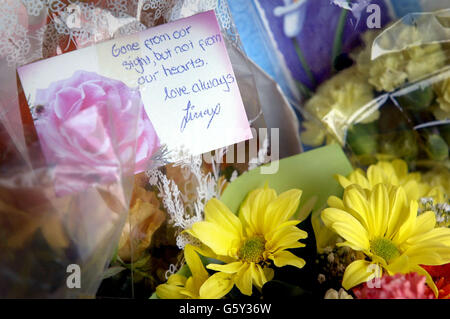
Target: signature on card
x=191, y=114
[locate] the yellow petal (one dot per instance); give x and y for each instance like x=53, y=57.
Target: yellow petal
x=256, y=275
x=198, y=271
x=379, y=208
x=227, y=268
x=218, y=213
x=203, y=250
x=189, y=293
x=413, y=190
x=352, y=246
x=190, y=288
x=439, y=235
x=375, y=175
x=356, y=204
x=426, y=257
x=254, y=208
x=259, y=276
x=356, y=273
x=406, y=229
x=281, y=209
x=399, y=265
x=424, y=223
x=176, y=280
x=280, y=227
x=335, y=202
x=217, y=286
x=214, y=236
x=400, y=168
x=283, y=258
x=387, y=172
x=344, y=181
x=166, y=291
x=358, y=177
x=285, y=238
x=398, y=213
x=429, y=253
x=268, y=273
x=243, y=280
x=346, y=226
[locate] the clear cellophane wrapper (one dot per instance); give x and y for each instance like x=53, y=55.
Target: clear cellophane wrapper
x=392, y=101
x=81, y=213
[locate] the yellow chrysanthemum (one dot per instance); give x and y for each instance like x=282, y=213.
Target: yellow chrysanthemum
x=384, y=225
x=410, y=59
x=394, y=173
x=247, y=244
x=199, y=285
x=335, y=103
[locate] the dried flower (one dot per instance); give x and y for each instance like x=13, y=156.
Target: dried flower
x=144, y=219
x=333, y=294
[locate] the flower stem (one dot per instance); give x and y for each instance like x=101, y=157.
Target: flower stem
x=303, y=61
x=337, y=46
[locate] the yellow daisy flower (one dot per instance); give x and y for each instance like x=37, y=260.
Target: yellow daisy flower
x=260, y=235
x=394, y=173
x=199, y=285
x=384, y=225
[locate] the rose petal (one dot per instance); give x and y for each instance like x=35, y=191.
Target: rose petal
x=68, y=100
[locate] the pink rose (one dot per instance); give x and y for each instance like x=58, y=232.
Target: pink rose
x=91, y=128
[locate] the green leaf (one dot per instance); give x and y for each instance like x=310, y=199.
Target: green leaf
x=141, y=262
x=154, y=296
x=337, y=44
x=437, y=147
x=417, y=100
x=112, y=271
x=362, y=139
x=312, y=172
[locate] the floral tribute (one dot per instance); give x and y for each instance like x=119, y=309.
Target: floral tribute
x=386, y=242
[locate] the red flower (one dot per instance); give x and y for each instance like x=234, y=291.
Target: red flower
x=441, y=276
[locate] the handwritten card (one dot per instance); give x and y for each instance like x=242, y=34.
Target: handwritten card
x=182, y=70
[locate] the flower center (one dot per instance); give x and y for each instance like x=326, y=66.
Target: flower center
x=252, y=250
x=384, y=248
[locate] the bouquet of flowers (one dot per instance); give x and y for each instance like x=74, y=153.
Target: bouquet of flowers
x=391, y=102
x=85, y=183
x=379, y=233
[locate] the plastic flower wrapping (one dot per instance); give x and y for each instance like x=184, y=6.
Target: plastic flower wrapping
x=86, y=184
x=387, y=98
